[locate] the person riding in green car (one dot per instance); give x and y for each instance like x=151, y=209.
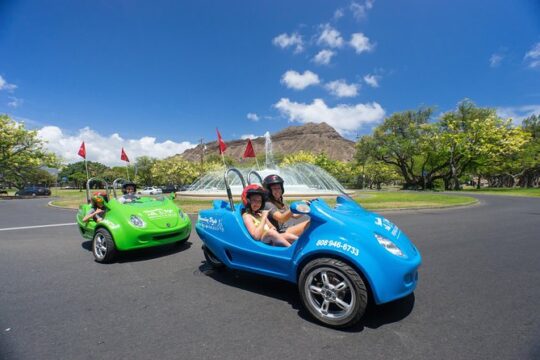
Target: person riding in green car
x=97, y=211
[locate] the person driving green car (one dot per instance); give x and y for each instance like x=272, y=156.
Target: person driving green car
x=129, y=189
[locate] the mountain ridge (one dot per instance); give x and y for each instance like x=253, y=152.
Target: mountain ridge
x=315, y=138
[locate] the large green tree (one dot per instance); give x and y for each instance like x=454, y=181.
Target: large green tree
x=22, y=153
x=76, y=172
x=175, y=170
x=404, y=140
x=144, y=164
x=530, y=156
x=473, y=139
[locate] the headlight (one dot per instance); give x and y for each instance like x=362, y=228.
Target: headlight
x=137, y=221
x=388, y=245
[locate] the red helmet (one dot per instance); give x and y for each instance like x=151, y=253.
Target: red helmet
x=252, y=190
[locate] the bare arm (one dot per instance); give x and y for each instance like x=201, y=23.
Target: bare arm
x=282, y=217
x=91, y=215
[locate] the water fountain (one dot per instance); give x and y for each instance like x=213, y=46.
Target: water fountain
x=300, y=179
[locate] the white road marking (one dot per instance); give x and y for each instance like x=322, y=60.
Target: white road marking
x=36, y=226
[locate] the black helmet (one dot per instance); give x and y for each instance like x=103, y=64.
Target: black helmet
x=271, y=180
x=129, y=183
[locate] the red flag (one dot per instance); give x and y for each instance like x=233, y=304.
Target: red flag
x=123, y=156
x=82, y=151
x=222, y=145
x=249, y=152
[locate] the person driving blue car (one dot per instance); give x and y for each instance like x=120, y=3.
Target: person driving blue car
x=279, y=213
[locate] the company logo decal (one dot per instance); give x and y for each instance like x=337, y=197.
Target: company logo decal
x=388, y=226
x=158, y=213
x=210, y=223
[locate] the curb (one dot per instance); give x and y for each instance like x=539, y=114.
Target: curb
x=50, y=203
x=437, y=208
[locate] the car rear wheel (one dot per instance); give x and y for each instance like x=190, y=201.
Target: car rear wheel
x=211, y=259
x=103, y=246
x=333, y=292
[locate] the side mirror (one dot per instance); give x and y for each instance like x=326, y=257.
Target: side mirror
x=300, y=207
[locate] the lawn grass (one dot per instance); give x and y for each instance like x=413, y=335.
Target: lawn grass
x=529, y=192
x=371, y=200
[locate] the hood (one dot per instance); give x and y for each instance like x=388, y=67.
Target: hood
x=360, y=223
x=160, y=214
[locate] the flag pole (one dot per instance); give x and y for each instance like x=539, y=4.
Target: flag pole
x=127, y=169
x=87, y=178
x=257, y=160
x=223, y=158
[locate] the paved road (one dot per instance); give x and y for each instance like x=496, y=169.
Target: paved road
x=478, y=296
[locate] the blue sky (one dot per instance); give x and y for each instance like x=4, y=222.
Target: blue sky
x=157, y=76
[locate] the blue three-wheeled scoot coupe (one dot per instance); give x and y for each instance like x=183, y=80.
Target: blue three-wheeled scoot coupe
x=346, y=255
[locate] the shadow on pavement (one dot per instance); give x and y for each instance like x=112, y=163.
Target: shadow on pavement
x=375, y=316
x=263, y=285
x=144, y=254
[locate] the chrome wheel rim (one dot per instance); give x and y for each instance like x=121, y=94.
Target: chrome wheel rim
x=213, y=259
x=100, y=246
x=330, y=293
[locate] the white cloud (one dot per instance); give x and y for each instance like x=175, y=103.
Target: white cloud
x=15, y=102
x=518, y=113
x=533, y=56
x=249, y=136
x=495, y=60
x=340, y=88
x=4, y=85
x=297, y=81
x=324, y=57
x=330, y=37
x=343, y=118
x=360, y=43
x=372, y=80
x=106, y=149
x=360, y=10
x=253, y=117
x=284, y=41
x=338, y=14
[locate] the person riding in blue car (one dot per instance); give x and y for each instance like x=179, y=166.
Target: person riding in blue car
x=279, y=213
x=256, y=219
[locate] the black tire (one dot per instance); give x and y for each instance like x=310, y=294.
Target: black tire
x=103, y=246
x=211, y=259
x=338, y=298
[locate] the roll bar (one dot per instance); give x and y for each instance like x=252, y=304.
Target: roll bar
x=254, y=172
x=229, y=193
x=121, y=180
x=88, y=187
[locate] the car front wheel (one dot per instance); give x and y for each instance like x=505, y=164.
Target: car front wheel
x=211, y=259
x=103, y=246
x=333, y=292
